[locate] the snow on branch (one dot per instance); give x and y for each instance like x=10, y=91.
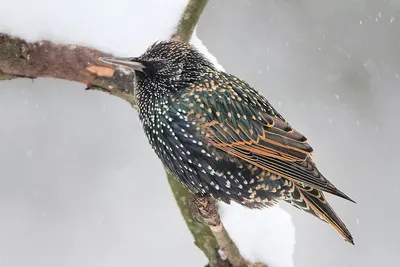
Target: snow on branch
x=22, y=59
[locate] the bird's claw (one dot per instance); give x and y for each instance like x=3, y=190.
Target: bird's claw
x=204, y=210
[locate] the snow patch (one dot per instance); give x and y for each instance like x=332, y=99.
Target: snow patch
x=266, y=236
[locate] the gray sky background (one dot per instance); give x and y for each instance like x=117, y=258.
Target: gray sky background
x=333, y=67
x=79, y=185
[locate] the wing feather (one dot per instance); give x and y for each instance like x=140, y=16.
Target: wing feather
x=241, y=122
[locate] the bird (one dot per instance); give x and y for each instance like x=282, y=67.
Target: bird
x=220, y=137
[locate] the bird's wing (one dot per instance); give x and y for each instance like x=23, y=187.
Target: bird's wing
x=236, y=119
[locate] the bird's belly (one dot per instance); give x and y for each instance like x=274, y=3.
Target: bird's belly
x=207, y=170
x=225, y=179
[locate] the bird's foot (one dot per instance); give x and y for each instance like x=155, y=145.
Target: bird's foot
x=204, y=210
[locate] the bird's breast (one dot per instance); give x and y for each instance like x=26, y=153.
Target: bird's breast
x=184, y=151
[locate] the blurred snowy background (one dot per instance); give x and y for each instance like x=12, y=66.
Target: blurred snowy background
x=75, y=168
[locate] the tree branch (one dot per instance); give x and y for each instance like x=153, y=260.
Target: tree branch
x=204, y=239
x=189, y=20
x=19, y=58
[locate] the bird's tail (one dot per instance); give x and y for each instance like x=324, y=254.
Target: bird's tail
x=313, y=201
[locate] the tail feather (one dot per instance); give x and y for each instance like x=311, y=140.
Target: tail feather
x=313, y=201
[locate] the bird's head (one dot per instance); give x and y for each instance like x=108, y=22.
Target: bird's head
x=166, y=66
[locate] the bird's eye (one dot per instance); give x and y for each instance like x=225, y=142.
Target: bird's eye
x=141, y=75
x=150, y=70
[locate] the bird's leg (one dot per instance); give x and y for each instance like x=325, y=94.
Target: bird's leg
x=194, y=210
x=204, y=210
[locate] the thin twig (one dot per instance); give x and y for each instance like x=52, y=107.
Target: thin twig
x=205, y=209
x=189, y=19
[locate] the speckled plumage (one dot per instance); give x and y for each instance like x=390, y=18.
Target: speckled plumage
x=221, y=138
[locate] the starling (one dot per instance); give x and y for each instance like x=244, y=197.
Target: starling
x=220, y=137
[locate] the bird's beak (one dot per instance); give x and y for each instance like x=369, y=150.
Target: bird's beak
x=127, y=62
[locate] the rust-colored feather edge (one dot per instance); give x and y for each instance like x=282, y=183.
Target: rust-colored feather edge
x=324, y=211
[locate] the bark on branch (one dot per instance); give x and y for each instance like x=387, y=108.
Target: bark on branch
x=22, y=59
